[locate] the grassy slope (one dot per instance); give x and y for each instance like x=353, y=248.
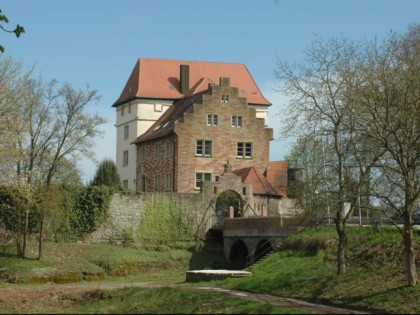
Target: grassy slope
x=375, y=278
x=307, y=269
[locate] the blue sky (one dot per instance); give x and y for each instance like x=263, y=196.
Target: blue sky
x=98, y=42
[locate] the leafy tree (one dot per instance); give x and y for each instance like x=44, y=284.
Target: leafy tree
x=17, y=31
x=46, y=128
x=107, y=175
x=15, y=202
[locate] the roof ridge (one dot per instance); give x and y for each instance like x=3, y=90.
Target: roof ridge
x=193, y=61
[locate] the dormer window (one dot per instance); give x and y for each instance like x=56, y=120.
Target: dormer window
x=225, y=98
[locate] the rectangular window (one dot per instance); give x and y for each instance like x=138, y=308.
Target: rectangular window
x=203, y=148
x=244, y=150
x=168, y=181
x=157, y=151
x=158, y=107
x=200, y=178
x=142, y=154
x=126, y=132
x=157, y=182
x=225, y=98
x=125, y=158
x=125, y=183
x=237, y=121
x=122, y=110
x=212, y=120
x=169, y=148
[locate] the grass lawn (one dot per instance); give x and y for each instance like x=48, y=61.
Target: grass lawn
x=375, y=279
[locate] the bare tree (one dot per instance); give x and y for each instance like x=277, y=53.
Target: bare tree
x=72, y=134
x=389, y=115
x=322, y=105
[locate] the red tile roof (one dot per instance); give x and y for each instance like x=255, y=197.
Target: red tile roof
x=260, y=184
x=166, y=123
x=159, y=79
x=277, y=175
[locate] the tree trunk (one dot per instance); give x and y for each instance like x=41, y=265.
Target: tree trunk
x=41, y=234
x=341, y=250
x=410, y=255
x=18, y=232
x=25, y=232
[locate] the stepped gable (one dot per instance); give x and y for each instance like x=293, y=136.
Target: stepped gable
x=160, y=79
x=260, y=184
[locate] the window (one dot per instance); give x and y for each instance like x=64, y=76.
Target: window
x=237, y=121
x=244, y=150
x=125, y=183
x=157, y=182
x=157, y=151
x=200, y=178
x=168, y=181
x=158, y=107
x=122, y=110
x=125, y=158
x=225, y=98
x=203, y=148
x=169, y=148
x=126, y=132
x=212, y=120
x=142, y=154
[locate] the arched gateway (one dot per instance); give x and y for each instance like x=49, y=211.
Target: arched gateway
x=247, y=234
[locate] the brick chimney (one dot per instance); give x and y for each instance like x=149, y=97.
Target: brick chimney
x=184, y=79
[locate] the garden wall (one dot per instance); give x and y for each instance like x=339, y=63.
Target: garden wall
x=125, y=212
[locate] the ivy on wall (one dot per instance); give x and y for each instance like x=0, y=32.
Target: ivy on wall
x=90, y=208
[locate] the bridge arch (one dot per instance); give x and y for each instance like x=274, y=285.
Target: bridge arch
x=238, y=255
x=263, y=248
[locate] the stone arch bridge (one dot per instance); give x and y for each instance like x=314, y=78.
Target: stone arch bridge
x=246, y=240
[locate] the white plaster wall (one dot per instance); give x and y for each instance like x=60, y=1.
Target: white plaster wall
x=261, y=112
x=139, y=115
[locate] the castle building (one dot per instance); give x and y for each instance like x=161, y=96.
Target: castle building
x=179, y=122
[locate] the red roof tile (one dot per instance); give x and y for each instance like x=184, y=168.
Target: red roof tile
x=260, y=184
x=159, y=78
x=166, y=123
x=277, y=175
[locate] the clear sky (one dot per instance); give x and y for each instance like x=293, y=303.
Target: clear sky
x=98, y=42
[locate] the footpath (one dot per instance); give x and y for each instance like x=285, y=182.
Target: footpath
x=42, y=293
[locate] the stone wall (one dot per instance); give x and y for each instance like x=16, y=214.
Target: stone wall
x=125, y=212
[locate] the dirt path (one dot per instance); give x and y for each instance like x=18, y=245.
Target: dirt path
x=32, y=298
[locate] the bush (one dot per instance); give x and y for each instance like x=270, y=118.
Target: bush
x=12, y=204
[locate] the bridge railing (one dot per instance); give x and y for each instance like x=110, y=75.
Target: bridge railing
x=252, y=258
